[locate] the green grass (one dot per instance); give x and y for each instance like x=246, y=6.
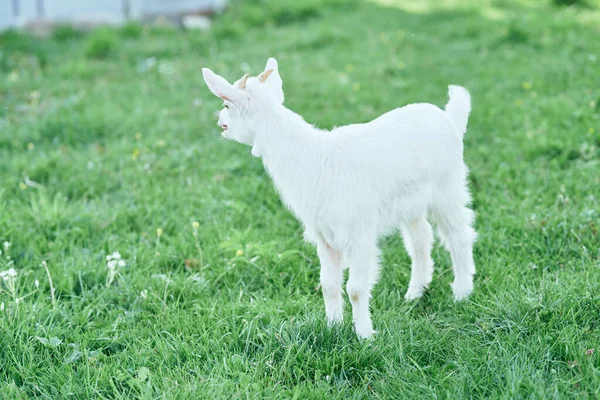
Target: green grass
x=104, y=149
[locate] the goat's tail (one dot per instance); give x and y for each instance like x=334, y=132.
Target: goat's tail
x=458, y=107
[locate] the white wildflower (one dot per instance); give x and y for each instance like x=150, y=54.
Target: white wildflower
x=114, y=256
x=37, y=284
x=113, y=263
x=8, y=274
x=6, y=246
x=144, y=294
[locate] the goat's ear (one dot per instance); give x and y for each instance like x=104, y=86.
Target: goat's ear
x=262, y=78
x=272, y=73
x=242, y=82
x=220, y=87
x=271, y=64
x=272, y=78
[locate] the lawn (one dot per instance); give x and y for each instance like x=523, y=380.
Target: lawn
x=109, y=143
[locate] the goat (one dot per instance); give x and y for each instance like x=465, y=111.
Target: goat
x=354, y=184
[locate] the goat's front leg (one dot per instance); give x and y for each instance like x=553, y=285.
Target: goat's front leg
x=363, y=261
x=331, y=281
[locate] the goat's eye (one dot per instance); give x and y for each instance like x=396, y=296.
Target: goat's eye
x=226, y=106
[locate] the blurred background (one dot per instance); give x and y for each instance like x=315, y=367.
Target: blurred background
x=109, y=146
x=33, y=13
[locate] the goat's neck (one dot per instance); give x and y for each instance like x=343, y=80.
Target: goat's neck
x=288, y=145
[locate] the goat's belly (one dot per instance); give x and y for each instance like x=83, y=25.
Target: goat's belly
x=404, y=208
x=335, y=223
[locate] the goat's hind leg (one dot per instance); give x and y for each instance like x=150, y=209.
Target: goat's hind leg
x=418, y=240
x=363, y=259
x=457, y=234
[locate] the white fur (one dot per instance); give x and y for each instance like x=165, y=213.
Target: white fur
x=354, y=184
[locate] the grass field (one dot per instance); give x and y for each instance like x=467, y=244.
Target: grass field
x=108, y=143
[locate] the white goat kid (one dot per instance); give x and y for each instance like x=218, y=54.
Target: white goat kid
x=356, y=183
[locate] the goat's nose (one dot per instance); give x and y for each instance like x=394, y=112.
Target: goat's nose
x=224, y=127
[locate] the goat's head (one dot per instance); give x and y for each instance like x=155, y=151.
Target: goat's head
x=243, y=99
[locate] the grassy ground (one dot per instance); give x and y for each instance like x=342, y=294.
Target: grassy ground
x=104, y=149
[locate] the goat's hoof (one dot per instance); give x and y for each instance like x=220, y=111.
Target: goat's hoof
x=414, y=293
x=364, y=331
x=366, y=335
x=462, y=289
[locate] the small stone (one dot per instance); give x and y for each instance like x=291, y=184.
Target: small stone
x=196, y=22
